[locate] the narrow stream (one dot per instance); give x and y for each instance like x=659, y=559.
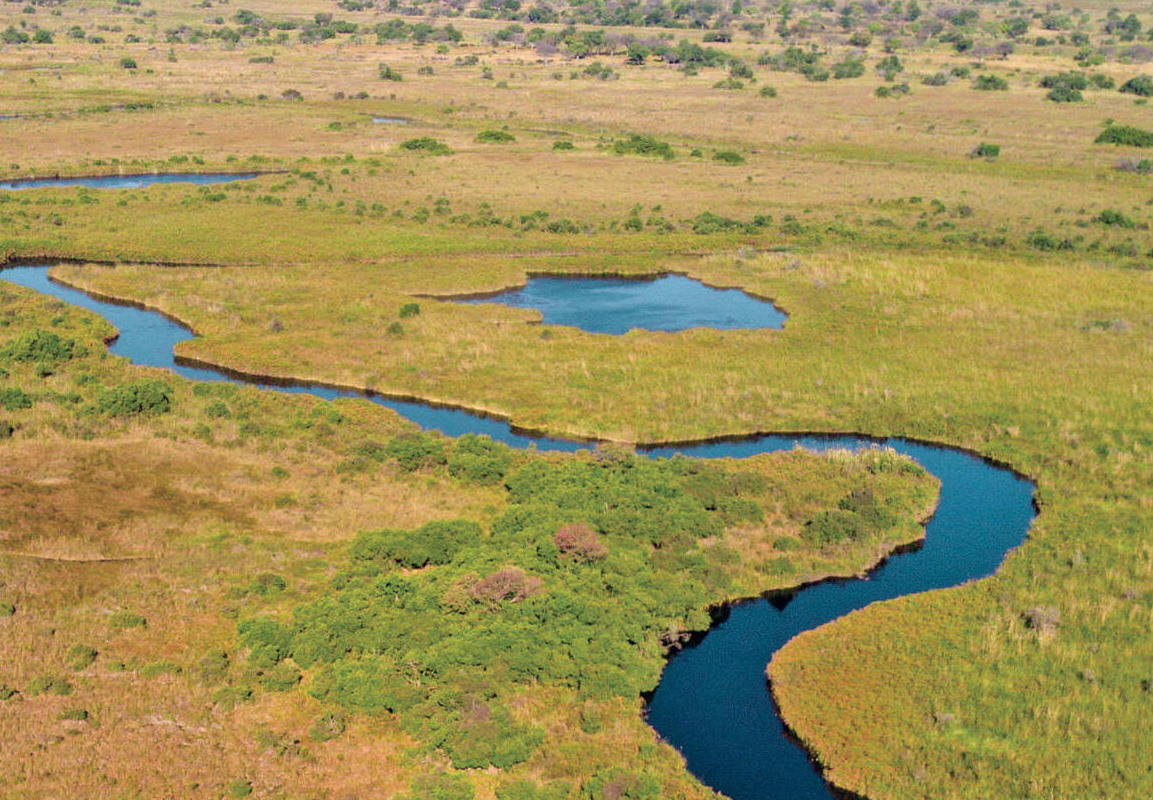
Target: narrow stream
x=712, y=702
x=130, y=181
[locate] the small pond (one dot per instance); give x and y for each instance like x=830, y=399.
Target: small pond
x=390, y=120
x=131, y=181
x=618, y=305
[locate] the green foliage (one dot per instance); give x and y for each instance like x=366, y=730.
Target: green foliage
x=7, y=692
x=267, y=583
x=478, y=459
x=280, y=677
x=240, y=788
x=1142, y=86
x=439, y=786
x=768, y=91
x=434, y=542
x=127, y=619
x=495, y=137
x=417, y=450
x=387, y=73
x=43, y=347
x=1065, y=87
x=1125, y=135
x=848, y=68
x=620, y=784
x=14, y=399
x=730, y=157
x=409, y=310
x=897, y=90
x=146, y=396
x=213, y=667
x=1114, y=219
x=990, y=83
x=563, y=144
x=127, y=63
x=524, y=789
x=638, y=144
x=81, y=656
x=327, y=727
x=985, y=150
x=426, y=145
x=48, y=684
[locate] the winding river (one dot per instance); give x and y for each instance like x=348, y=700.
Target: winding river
x=712, y=703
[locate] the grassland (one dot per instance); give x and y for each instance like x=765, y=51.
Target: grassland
x=1001, y=305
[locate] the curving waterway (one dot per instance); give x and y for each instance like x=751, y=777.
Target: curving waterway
x=712, y=702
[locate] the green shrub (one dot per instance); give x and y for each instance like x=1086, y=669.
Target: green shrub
x=1064, y=94
x=990, y=83
x=48, y=684
x=7, y=609
x=985, y=150
x=768, y=91
x=426, y=145
x=81, y=656
x=240, y=788
x=268, y=641
x=619, y=784
x=148, y=396
x=213, y=667
x=14, y=399
x=641, y=145
x=495, y=137
x=524, y=789
x=478, y=459
x=1040, y=240
x=1142, y=86
x=441, y=786
x=327, y=727
x=1073, y=80
x=1125, y=135
x=730, y=157
x=267, y=583
x=127, y=619
x=7, y=692
x=387, y=73
x=832, y=527
x=416, y=450
x=1114, y=219
x=161, y=666
x=42, y=346
x=128, y=63
x=435, y=542
x=409, y=310
x=279, y=678
x=849, y=68
x=563, y=144
x=76, y=714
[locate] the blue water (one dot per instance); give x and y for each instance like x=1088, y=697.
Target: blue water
x=712, y=702
x=390, y=120
x=619, y=305
x=132, y=181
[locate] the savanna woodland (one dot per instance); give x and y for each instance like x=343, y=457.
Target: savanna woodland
x=214, y=590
